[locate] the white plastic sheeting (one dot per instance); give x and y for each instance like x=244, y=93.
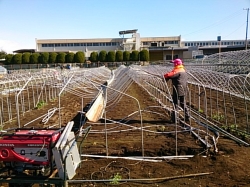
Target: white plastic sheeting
x=3, y=70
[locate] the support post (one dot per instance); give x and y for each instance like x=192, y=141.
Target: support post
x=247, y=9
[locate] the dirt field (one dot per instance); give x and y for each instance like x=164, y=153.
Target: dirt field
x=230, y=166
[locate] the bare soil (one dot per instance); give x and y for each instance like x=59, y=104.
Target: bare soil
x=230, y=166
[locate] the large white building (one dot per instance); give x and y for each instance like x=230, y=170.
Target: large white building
x=160, y=48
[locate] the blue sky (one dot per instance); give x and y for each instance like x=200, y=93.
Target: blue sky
x=22, y=21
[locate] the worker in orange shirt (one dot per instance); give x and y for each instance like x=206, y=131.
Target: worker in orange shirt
x=179, y=82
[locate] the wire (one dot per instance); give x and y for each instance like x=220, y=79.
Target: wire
x=226, y=19
x=234, y=30
x=38, y=152
x=49, y=114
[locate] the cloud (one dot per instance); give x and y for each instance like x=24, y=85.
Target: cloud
x=9, y=46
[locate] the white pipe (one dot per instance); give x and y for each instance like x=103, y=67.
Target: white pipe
x=149, y=159
x=116, y=157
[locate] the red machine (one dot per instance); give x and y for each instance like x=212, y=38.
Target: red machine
x=32, y=156
x=29, y=148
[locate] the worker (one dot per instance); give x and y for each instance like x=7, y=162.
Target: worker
x=179, y=83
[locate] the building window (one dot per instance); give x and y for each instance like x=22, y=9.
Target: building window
x=50, y=45
x=168, y=57
x=44, y=45
x=64, y=45
x=76, y=44
x=57, y=45
x=108, y=44
x=153, y=44
x=170, y=42
x=144, y=43
x=113, y=44
x=96, y=44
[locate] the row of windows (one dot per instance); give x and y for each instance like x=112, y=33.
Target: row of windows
x=214, y=43
x=81, y=44
x=152, y=44
x=171, y=42
x=162, y=43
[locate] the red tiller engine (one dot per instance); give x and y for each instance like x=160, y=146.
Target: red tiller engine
x=29, y=148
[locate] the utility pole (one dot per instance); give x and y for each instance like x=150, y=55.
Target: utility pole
x=172, y=53
x=247, y=9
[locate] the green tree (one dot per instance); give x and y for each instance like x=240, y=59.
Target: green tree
x=144, y=55
x=111, y=56
x=70, y=57
x=34, y=58
x=135, y=55
x=26, y=58
x=93, y=57
x=61, y=57
x=2, y=54
x=126, y=56
x=17, y=58
x=44, y=58
x=103, y=56
x=79, y=57
x=9, y=59
x=119, y=56
x=52, y=57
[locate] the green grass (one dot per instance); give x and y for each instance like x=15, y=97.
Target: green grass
x=40, y=104
x=116, y=178
x=233, y=129
x=218, y=117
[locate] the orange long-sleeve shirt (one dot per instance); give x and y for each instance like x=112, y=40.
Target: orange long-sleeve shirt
x=179, y=79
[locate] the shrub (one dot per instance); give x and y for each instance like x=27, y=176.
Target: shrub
x=79, y=57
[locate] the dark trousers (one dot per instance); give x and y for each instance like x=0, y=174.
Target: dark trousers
x=182, y=104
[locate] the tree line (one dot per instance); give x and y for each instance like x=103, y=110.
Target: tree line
x=78, y=57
